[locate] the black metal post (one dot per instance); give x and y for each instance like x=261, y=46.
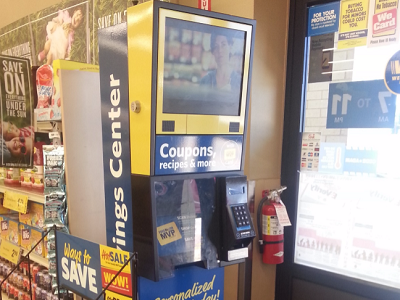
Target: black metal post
x=55, y=241
x=116, y=275
x=29, y=274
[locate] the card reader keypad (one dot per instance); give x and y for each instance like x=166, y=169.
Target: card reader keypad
x=241, y=216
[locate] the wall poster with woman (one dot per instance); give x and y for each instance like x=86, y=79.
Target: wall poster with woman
x=16, y=128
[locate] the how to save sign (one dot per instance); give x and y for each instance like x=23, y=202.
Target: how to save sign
x=197, y=154
x=360, y=104
x=86, y=268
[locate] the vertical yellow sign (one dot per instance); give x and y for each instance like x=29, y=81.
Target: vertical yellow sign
x=353, y=25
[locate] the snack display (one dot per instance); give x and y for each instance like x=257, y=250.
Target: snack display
x=17, y=286
x=30, y=236
x=10, y=229
x=55, y=207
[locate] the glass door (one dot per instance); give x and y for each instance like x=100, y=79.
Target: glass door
x=341, y=152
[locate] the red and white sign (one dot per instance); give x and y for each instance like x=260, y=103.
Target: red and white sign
x=205, y=4
x=384, y=21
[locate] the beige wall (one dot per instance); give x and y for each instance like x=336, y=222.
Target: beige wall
x=263, y=159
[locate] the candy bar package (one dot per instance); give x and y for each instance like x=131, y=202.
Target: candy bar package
x=55, y=210
x=44, y=85
x=54, y=168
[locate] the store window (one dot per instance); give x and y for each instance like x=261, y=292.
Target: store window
x=348, y=210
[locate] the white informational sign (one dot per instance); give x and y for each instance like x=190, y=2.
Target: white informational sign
x=310, y=151
x=383, y=23
x=349, y=225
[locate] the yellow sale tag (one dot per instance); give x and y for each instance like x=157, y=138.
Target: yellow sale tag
x=10, y=251
x=168, y=233
x=15, y=201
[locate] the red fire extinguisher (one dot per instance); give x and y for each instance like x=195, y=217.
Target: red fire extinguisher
x=269, y=230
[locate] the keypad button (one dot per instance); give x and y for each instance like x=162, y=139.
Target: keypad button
x=245, y=217
x=236, y=213
x=240, y=213
x=242, y=207
x=247, y=223
x=240, y=224
x=235, y=208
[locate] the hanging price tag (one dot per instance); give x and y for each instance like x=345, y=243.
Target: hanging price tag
x=10, y=251
x=282, y=214
x=15, y=201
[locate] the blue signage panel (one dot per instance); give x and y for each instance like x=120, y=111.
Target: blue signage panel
x=189, y=283
x=79, y=266
x=360, y=104
x=360, y=162
x=197, y=154
x=331, y=158
x=392, y=73
x=323, y=18
x=113, y=53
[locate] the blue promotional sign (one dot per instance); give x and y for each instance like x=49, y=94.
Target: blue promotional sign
x=360, y=104
x=392, y=74
x=331, y=158
x=360, y=162
x=113, y=53
x=323, y=18
x=86, y=268
x=197, y=154
x=192, y=283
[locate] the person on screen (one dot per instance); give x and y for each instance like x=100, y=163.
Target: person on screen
x=223, y=77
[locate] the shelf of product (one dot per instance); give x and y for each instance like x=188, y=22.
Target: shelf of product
x=17, y=285
x=32, y=195
x=47, y=126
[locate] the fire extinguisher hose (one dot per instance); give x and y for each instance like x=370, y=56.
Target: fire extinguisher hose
x=259, y=223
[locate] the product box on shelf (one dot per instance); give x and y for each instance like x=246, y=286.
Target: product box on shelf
x=3, y=174
x=37, y=179
x=34, y=216
x=30, y=236
x=12, y=178
x=26, y=179
x=10, y=229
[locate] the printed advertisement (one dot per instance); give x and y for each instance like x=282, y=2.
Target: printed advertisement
x=339, y=229
x=320, y=59
x=105, y=14
x=15, y=39
x=115, y=131
x=353, y=26
x=17, y=135
x=67, y=30
x=86, y=268
x=197, y=154
x=383, y=28
x=392, y=74
x=323, y=18
x=310, y=151
x=192, y=283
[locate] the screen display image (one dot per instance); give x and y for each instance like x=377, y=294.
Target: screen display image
x=203, y=68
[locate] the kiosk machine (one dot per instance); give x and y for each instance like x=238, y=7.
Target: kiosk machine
x=189, y=85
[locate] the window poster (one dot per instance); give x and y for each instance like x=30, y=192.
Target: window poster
x=383, y=25
x=353, y=25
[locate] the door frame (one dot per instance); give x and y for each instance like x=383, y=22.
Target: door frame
x=291, y=147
